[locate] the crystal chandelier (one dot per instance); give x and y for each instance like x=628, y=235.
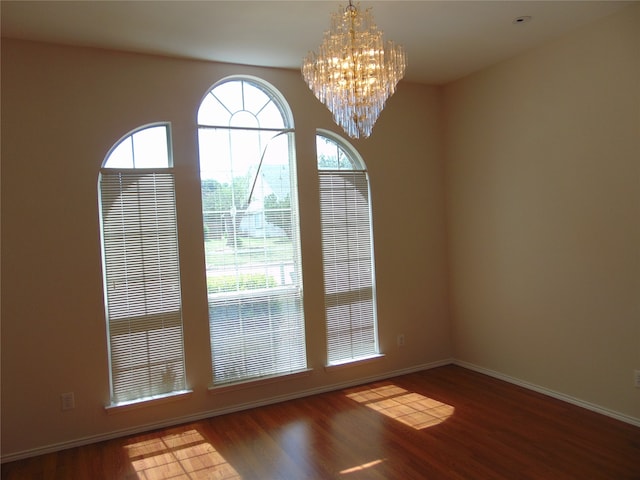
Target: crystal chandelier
x=353, y=74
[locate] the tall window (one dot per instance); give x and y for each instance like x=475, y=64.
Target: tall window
x=249, y=202
x=347, y=252
x=140, y=265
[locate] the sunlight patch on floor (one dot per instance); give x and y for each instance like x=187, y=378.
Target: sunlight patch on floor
x=184, y=455
x=360, y=468
x=410, y=408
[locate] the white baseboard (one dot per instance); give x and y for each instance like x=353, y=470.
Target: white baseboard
x=216, y=412
x=551, y=393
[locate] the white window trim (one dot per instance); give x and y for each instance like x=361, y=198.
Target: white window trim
x=148, y=401
x=258, y=382
x=354, y=362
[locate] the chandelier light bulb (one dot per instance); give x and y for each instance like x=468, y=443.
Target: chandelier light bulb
x=354, y=73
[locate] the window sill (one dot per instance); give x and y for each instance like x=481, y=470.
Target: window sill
x=353, y=363
x=148, y=401
x=260, y=381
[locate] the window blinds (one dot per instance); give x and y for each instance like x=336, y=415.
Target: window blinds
x=142, y=284
x=256, y=334
x=347, y=252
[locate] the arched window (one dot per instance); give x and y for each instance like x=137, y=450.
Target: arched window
x=347, y=251
x=250, y=215
x=140, y=266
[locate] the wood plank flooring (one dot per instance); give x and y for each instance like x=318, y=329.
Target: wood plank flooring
x=444, y=423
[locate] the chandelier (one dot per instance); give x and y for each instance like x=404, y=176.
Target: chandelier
x=353, y=74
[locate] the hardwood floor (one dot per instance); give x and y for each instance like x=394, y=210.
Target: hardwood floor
x=445, y=423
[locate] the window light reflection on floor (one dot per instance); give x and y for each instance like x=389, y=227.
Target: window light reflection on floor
x=362, y=467
x=182, y=455
x=410, y=408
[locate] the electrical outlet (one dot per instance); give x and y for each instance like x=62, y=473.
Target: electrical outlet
x=401, y=340
x=67, y=401
x=636, y=378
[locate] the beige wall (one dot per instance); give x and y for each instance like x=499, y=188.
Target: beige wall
x=62, y=109
x=543, y=208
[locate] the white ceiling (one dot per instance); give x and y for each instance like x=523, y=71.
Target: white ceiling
x=445, y=40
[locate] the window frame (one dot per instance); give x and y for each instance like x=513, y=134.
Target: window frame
x=154, y=313
x=238, y=299
x=356, y=168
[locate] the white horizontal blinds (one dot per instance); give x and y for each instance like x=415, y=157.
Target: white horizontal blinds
x=255, y=335
x=142, y=283
x=252, y=254
x=347, y=258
